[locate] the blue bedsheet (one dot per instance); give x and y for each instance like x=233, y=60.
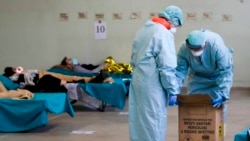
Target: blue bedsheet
x=23, y=115
x=242, y=136
x=69, y=72
x=113, y=94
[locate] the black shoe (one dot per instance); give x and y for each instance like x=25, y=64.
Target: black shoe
x=73, y=101
x=100, y=109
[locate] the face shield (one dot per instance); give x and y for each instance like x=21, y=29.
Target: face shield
x=195, y=50
x=194, y=47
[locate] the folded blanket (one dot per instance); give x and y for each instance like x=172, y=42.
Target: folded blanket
x=15, y=94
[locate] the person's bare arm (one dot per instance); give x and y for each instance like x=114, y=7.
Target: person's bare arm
x=2, y=88
x=108, y=79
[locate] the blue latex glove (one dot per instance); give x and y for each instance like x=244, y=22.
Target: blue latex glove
x=217, y=102
x=172, y=100
x=217, y=99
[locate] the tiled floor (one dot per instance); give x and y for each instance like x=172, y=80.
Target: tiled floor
x=112, y=125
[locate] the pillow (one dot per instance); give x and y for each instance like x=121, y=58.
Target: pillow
x=8, y=83
x=74, y=61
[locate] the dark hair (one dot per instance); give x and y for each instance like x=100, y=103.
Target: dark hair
x=63, y=62
x=8, y=71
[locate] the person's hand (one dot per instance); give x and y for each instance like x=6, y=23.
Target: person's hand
x=217, y=100
x=108, y=79
x=172, y=100
x=63, y=82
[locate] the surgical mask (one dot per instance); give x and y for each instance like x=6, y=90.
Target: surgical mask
x=197, y=53
x=19, y=69
x=173, y=30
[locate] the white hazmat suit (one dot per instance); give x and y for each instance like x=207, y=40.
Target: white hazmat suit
x=153, y=80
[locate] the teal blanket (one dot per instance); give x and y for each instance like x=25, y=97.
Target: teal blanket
x=24, y=115
x=69, y=72
x=242, y=136
x=113, y=94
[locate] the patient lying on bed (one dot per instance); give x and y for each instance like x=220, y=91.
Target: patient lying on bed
x=43, y=81
x=73, y=65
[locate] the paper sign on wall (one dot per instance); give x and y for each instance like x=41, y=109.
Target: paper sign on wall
x=100, y=30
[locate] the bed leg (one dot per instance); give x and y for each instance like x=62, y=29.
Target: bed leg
x=103, y=106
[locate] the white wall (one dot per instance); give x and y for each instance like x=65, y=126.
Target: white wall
x=31, y=34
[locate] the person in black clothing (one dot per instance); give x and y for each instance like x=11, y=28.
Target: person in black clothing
x=30, y=80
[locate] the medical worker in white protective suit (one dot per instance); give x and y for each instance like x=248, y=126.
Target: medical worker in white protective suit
x=208, y=63
x=153, y=80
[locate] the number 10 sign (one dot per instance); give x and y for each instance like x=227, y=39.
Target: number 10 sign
x=100, y=30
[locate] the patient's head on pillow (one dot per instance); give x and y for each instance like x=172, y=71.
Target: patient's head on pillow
x=74, y=61
x=67, y=62
x=63, y=62
x=9, y=71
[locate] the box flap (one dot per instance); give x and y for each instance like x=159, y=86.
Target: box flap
x=194, y=99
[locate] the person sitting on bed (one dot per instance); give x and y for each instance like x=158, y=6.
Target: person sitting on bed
x=73, y=65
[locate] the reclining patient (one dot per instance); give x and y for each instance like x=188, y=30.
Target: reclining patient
x=42, y=81
x=73, y=65
x=109, y=66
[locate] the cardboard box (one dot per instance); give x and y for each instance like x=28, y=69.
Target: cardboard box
x=199, y=120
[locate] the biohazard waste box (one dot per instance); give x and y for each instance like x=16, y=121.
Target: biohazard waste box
x=199, y=120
